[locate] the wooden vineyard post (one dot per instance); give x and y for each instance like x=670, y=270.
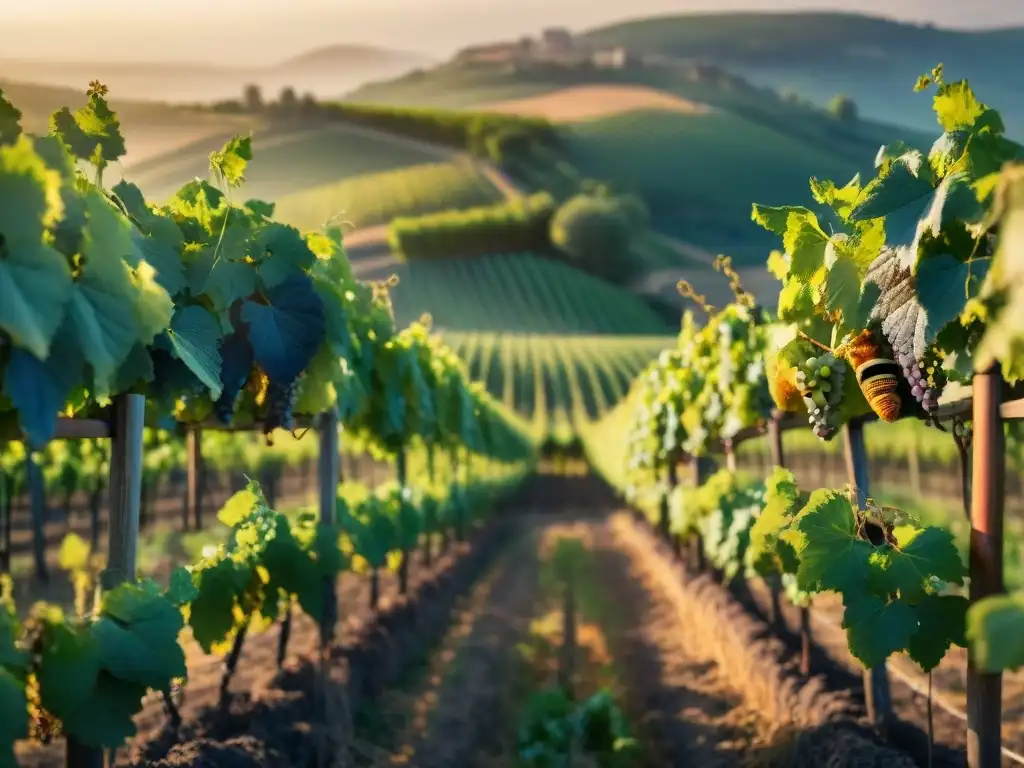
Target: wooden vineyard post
x=428, y=539
x=698, y=467
x=37, y=502
x=403, y=566
x=877, y=694
x=329, y=478
x=730, y=455
x=984, y=690
x=778, y=457
x=128, y=418
x=194, y=465
x=671, y=481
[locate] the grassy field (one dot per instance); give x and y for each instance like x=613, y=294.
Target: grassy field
x=285, y=161
x=556, y=378
x=517, y=293
x=700, y=173
x=371, y=199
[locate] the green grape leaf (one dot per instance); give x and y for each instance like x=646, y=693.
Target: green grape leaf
x=69, y=667
x=842, y=288
x=957, y=108
x=776, y=219
x=181, y=589
x=10, y=123
x=832, y=556
x=137, y=636
x=195, y=337
x=38, y=390
x=920, y=553
x=261, y=208
x=876, y=630
x=239, y=507
x=231, y=160
x=942, y=620
x=164, y=258
x=796, y=301
x=92, y=133
x=104, y=309
x=944, y=286
x=220, y=273
x=281, y=251
x=901, y=196
x=286, y=332
x=805, y=242
x=106, y=719
x=286, y=562
x=211, y=613
x=13, y=713
x=35, y=279
x=136, y=370
x=995, y=626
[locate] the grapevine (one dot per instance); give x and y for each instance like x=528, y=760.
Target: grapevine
x=206, y=307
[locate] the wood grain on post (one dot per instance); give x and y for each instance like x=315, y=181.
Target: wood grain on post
x=328, y=477
x=984, y=690
x=125, y=487
x=774, y=583
x=194, y=466
x=877, y=694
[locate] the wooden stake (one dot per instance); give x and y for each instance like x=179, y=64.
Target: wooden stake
x=877, y=694
x=128, y=418
x=984, y=690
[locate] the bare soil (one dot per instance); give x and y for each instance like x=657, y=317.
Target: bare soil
x=591, y=102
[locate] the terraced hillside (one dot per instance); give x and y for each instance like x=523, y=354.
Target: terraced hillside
x=551, y=377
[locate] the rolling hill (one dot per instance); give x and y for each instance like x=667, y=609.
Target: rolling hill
x=151, y=129
x=326, y=72
x=873, y=60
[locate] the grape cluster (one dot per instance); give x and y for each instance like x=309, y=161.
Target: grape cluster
x=280, y=402
x=820, y=380
x=224, y=407
x=924, y=384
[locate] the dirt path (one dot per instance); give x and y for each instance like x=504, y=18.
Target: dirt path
x=458, y=704
x=463, y=708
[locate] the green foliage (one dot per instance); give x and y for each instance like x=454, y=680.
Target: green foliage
x=495, y=136
x=597, y=233
x=707, y=389
x=515, y=225
x=843, y=108
x=901, y=257
x=553, y=728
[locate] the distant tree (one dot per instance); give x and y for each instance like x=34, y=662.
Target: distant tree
x=596, y=233
x=253, y=98
x=308, y=105
x=288, y=100
x=843, y=108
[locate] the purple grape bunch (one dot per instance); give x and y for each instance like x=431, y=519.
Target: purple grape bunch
x=920, y=385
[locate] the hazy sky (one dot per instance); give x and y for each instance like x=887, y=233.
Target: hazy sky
x=250, y=31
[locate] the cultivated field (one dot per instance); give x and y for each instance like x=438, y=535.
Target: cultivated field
x=372, y=199
x=516, y=293
x=541, y=376
x=587, y=102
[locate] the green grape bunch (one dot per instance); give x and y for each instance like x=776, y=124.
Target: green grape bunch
x=820, y=380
